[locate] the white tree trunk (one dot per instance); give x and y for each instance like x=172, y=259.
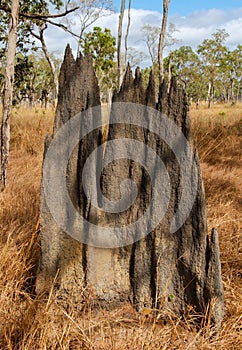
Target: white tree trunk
x=169, y=73
x=210, y=91
x=50, y=61
x=120, y=26
x=127, y=34
x=238, y=91
x=162, y=39
x=8, y=91
x=53, y=70
x=232, y=92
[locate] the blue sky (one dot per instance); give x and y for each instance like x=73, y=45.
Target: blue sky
x=182, y=7
x=194, y=21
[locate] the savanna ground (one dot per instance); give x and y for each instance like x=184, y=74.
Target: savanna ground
x=30, y=322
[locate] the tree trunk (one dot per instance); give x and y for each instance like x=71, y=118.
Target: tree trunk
x=127, y=35
x=169, y=73
x=238, y=91
x=50, y=61
x=80, y=39
x=120, y=27
x=8, y=91
x=232, y=91
x=162, y=39
x=210, y=88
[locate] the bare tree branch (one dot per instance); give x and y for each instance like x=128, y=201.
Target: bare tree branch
x=37, y=15
x=62, y=26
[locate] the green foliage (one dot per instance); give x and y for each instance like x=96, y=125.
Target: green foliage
x=25, y=41
x=33, y=80
x=101, y=45
x=186, y=66
x=212, y=72
x=222, y=113
x=171, y=297
x=230, y=73
x=24, y=38
x=212, y=52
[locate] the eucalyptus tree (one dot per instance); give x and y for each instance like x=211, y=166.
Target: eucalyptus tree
x=34, y=81
x=151, y=35
x=12, y=14
x=212, y=52
x=41, y=27
x=185, y=64
x=101, y=45
x=135, y=57
x=237, y=68
x=8, y=89
x=151, y=39
x=85, y=14
x=230, y=72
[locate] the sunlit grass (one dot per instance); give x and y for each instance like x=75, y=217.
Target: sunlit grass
x=27, y=322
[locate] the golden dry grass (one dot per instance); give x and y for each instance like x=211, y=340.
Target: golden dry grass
x=28, y=322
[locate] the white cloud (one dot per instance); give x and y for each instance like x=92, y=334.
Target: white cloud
x=192, y=29
x=195, y=27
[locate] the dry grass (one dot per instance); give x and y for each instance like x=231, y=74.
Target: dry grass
x=28, y=322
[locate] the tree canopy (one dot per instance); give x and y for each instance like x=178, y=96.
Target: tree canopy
x=101, y=45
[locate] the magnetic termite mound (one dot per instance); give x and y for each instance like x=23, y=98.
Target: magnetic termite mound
x=164, y=270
